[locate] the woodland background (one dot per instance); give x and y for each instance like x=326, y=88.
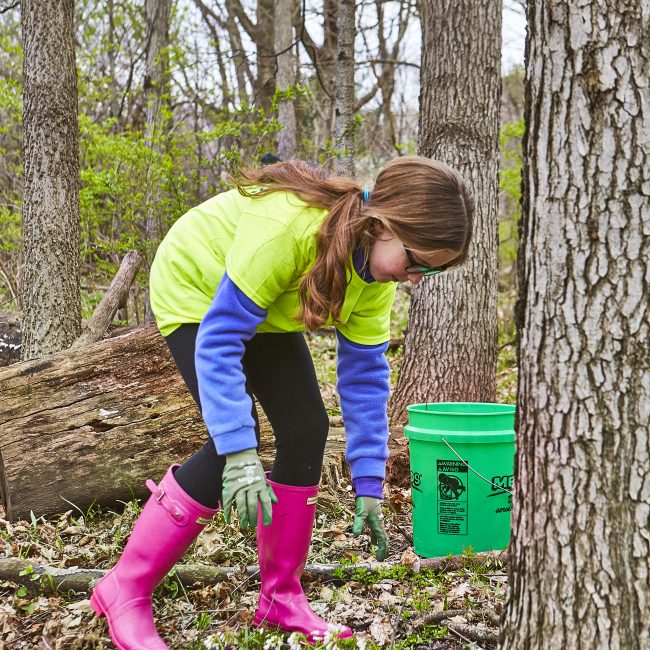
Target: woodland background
x=172, y=96
x=217, y=111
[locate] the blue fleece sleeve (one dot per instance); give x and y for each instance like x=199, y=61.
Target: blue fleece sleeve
x=363, y=388
x=231, y=321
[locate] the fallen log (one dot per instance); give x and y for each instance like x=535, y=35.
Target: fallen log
x=48, y=579
x=90, y=425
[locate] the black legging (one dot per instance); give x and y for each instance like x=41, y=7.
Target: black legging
x=280, y=373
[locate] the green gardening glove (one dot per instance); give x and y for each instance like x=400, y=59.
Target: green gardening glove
x=244, y=484
x=369, y=511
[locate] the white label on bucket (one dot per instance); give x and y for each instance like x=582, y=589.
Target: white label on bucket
x=452, y=497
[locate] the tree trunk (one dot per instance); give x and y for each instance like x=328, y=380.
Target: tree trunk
x=580, y=549
x=156, y=90
x=344, y=127
x=323, y=58
x=265, y=79
x=286, y=77
x=388, y=56
x=451, y=345
x=90, y=425
x=51, y=222
x=156, y=79
x=238, y=53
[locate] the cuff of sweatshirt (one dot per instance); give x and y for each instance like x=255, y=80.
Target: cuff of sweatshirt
x=364, y=466
x=368, y=486
x=233, y=441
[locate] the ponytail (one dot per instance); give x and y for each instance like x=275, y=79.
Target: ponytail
x=346, y=227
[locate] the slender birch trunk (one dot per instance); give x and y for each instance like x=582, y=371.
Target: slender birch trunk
x=286, y=77
x=344, y=113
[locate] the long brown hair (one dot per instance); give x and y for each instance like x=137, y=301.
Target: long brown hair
x=424, y=203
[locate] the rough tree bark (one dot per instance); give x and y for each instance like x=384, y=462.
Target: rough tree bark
x=51, y=222
x=286, y=77
x=581, y=521
x=450, y=347
x=344, y=112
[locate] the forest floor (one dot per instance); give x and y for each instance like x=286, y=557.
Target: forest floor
x=398, y=606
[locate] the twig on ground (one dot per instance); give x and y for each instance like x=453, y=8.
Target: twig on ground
x=487, y=615
x=473, y=633
x=398, y=620
x=405, y=535
x=456, y=632
x=435, y=617
x=456, y=562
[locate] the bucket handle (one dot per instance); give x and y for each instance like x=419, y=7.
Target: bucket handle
x=498, y=487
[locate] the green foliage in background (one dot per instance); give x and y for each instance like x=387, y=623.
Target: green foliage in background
x=510, y=185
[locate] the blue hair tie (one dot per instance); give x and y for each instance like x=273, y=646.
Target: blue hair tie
x=366, y=193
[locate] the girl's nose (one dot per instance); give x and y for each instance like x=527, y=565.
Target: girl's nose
x=414, y=278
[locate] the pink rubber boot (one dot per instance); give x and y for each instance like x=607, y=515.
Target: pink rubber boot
x=170, y=521
x=282, y=547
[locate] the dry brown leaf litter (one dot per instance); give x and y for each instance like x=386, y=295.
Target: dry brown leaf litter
x=381, y=611
x=385, y=613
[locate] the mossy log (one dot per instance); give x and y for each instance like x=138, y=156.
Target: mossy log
x=90, y=425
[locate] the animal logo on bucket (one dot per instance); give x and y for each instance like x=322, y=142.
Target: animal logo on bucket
x=450, y=487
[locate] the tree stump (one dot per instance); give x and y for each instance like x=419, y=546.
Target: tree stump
x=90, y=425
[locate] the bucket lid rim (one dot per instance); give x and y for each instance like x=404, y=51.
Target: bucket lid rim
x=429, y=407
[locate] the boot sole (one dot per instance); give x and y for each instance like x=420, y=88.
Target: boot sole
x=99, y=609
x=261, y=623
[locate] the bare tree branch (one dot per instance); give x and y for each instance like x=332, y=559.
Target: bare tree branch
x=4, y=10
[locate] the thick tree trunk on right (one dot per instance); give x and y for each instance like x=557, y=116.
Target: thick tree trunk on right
x=580, y=547
x=450, y=347
x=51, y=222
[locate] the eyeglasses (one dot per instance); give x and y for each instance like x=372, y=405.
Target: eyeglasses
x=414, y=267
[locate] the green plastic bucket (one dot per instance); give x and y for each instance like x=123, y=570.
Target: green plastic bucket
x=462, y=463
